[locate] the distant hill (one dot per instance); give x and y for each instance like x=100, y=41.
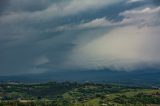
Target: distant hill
x=147, y=77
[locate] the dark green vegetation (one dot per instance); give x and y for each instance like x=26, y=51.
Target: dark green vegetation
x=75, y=94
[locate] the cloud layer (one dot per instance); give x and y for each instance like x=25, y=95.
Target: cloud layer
x=131, y=44
x=53, y=35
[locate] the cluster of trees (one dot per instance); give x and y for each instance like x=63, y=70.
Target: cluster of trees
x=140, y=98
x=35, y=91
x=36, y=103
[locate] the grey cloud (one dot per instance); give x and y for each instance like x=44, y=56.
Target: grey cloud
x=33, y=41
x=29, y=5
x=156, y=2
x=3, y=4
x=133, y=42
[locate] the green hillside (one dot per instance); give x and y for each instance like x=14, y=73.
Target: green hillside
x=75, y=94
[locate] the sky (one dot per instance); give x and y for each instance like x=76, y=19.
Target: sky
x=37, y=36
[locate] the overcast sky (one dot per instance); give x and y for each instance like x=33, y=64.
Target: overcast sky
x=37, y=36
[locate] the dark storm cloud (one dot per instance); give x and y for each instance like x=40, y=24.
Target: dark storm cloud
x=3, y=4
x=29, y=5
x=40, y=35
x=156, y=2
